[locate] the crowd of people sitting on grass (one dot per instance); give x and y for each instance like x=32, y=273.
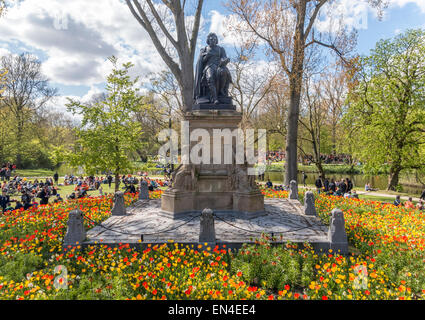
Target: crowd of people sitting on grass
x=47, y=190
x=278, y=156
x=275, y=156
x=409, y=203
x=328, y=159
x=341, y=188
x=6, y=171
x=28, y=191
x=344, y=188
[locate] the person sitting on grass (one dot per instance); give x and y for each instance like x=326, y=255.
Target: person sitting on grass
x=18, y=205
x=269, y=184
x=420, y=205
x=9, y=207
x=397, y=201
x=368, y=187
x=409, y=204
x=130, y=188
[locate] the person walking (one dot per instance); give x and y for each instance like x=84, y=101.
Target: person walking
x=304, y=179
x=423, y=195
x=349, y=184
x=8, y=174
x=319, y=184
x=109, y=180
x=56, y=177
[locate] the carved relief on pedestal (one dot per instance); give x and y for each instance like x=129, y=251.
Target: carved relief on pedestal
x=239, y=179
x=184, y=178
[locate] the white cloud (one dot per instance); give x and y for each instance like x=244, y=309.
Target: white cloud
x=224, y=27
x=78, y=41
x=402, y=3
x=352, y=14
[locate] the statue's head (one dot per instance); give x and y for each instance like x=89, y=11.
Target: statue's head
x=212, y=39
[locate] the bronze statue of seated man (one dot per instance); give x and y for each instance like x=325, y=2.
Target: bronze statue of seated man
x=212, y=77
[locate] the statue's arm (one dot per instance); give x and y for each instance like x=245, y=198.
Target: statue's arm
x=223, y=54
x=224, y=59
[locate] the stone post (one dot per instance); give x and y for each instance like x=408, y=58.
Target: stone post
x=144, y=191
x=75, y=234
x=309, y=208
x=293, y=190
x=207, y=228
x=336, y=234
x=119, y=207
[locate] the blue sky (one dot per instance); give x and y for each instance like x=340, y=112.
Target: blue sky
x=74, y=58
x=396, y=20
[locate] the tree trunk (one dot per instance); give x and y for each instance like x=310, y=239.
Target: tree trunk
x=117, y=181
x=187, y=96
x=393, y=178
x=295, y=87
x=291, y=164
x=321, y=170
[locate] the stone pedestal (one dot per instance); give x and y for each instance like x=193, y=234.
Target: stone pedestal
x=207, y=227
x=225, y=186
x=248, y=202
x=75, y=234
x=337, y=234
x=118, y=208
x=144, y=191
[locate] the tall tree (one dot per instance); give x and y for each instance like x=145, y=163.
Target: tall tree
x=157, y=23
x=288, y=27
x=26, y=91
x=387, y=106
x=109, y=134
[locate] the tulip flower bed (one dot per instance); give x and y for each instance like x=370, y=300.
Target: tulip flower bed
x=386, y=262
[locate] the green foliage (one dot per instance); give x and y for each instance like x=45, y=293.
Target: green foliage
x=274, y=267
x=109, y=135
x=386, y=114
x=21, y=264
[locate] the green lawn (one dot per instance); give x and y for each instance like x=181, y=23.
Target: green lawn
x=29, y=173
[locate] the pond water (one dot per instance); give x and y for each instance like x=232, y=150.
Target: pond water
x=359, y=180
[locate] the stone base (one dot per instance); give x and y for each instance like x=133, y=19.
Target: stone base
x=248, y=202
x=224, y=186
x=179, y=202
x=176, y=202
x=211, y=106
